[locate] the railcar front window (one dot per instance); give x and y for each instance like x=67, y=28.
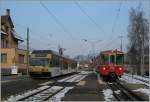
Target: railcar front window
x=120, y=59
x=112, y=59
x=39, y=62
x=104, y=59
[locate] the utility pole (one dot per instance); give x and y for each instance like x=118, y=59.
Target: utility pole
x=121, y=42
x=61, y=56
x=27, y=51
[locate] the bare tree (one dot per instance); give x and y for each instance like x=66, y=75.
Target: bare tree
x=137, y=34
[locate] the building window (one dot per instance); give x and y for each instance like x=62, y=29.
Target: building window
x=4, y=58
x=2, y=43
x=6, y=43
x=21, y=59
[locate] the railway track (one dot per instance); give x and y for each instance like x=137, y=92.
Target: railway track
x=125, y=94
x=42, y=95
x=49, y=91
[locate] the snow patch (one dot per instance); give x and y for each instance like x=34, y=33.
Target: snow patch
x=117, y=92
x=86, y=72
x=143, y=90
x=46, y=83
x=60, y=95
x=108, y=94
x=130, y=79
x=74, y=79
x=81, y=78
x=17, y=97
x=65, y=79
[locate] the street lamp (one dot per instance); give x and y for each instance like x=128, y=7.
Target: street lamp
x=92, y=43
x=92, y=46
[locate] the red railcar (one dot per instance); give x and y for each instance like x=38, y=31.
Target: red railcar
x=111, y=64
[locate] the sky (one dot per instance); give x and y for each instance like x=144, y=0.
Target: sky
x=66, y=22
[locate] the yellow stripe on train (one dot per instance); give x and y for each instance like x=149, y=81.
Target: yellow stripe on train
x=38, y=69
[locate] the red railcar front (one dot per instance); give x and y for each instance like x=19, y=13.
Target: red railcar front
x=111, y=64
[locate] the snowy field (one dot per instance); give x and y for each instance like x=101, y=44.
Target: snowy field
x=128, y=78
x=135, y=79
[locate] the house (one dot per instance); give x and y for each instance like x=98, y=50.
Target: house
x=12, y=58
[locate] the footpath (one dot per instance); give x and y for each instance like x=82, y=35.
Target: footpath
x=5, y=79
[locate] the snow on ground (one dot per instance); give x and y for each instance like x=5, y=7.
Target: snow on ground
x=67, y=78
x=117, y=92
x=74, y=78
x=143, y=90
x=130, y=79
x=61, y=94
x=14, y=98
x=81, y=78
x=86, y=72
x=108, y=94
x=138, y=77
x=46, y=83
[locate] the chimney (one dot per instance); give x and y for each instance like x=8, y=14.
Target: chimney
x=7, y=12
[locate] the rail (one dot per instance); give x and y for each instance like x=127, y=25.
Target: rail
x=126, y=94
x=42, y=95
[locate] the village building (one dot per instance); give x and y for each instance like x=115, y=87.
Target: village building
x=13, y=59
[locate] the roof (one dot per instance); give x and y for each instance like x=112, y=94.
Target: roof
x=45, y=51
x=6, y=18
x=16, y=35
x=48, y=52
x=111, y=52
x=42, y=51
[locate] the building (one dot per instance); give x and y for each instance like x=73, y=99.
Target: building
x=13, y=59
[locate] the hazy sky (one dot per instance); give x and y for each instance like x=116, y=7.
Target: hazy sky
x=93, y=21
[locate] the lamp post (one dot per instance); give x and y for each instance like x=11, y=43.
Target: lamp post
x=92, y=45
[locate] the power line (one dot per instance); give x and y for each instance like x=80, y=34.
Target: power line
x=117, y=15
x=31, y=30
x=90, y=18
x=35, y=38
x=109, y=43
x=55, y=18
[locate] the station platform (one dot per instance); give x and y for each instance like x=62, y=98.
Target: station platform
x=87, y=89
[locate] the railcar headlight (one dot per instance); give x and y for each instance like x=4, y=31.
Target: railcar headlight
x=120, y=68
x=104, y=68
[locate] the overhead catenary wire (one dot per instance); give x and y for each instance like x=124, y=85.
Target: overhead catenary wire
x=89, y=17
x=35, y=37
x=56, y=19
x=116, y=18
